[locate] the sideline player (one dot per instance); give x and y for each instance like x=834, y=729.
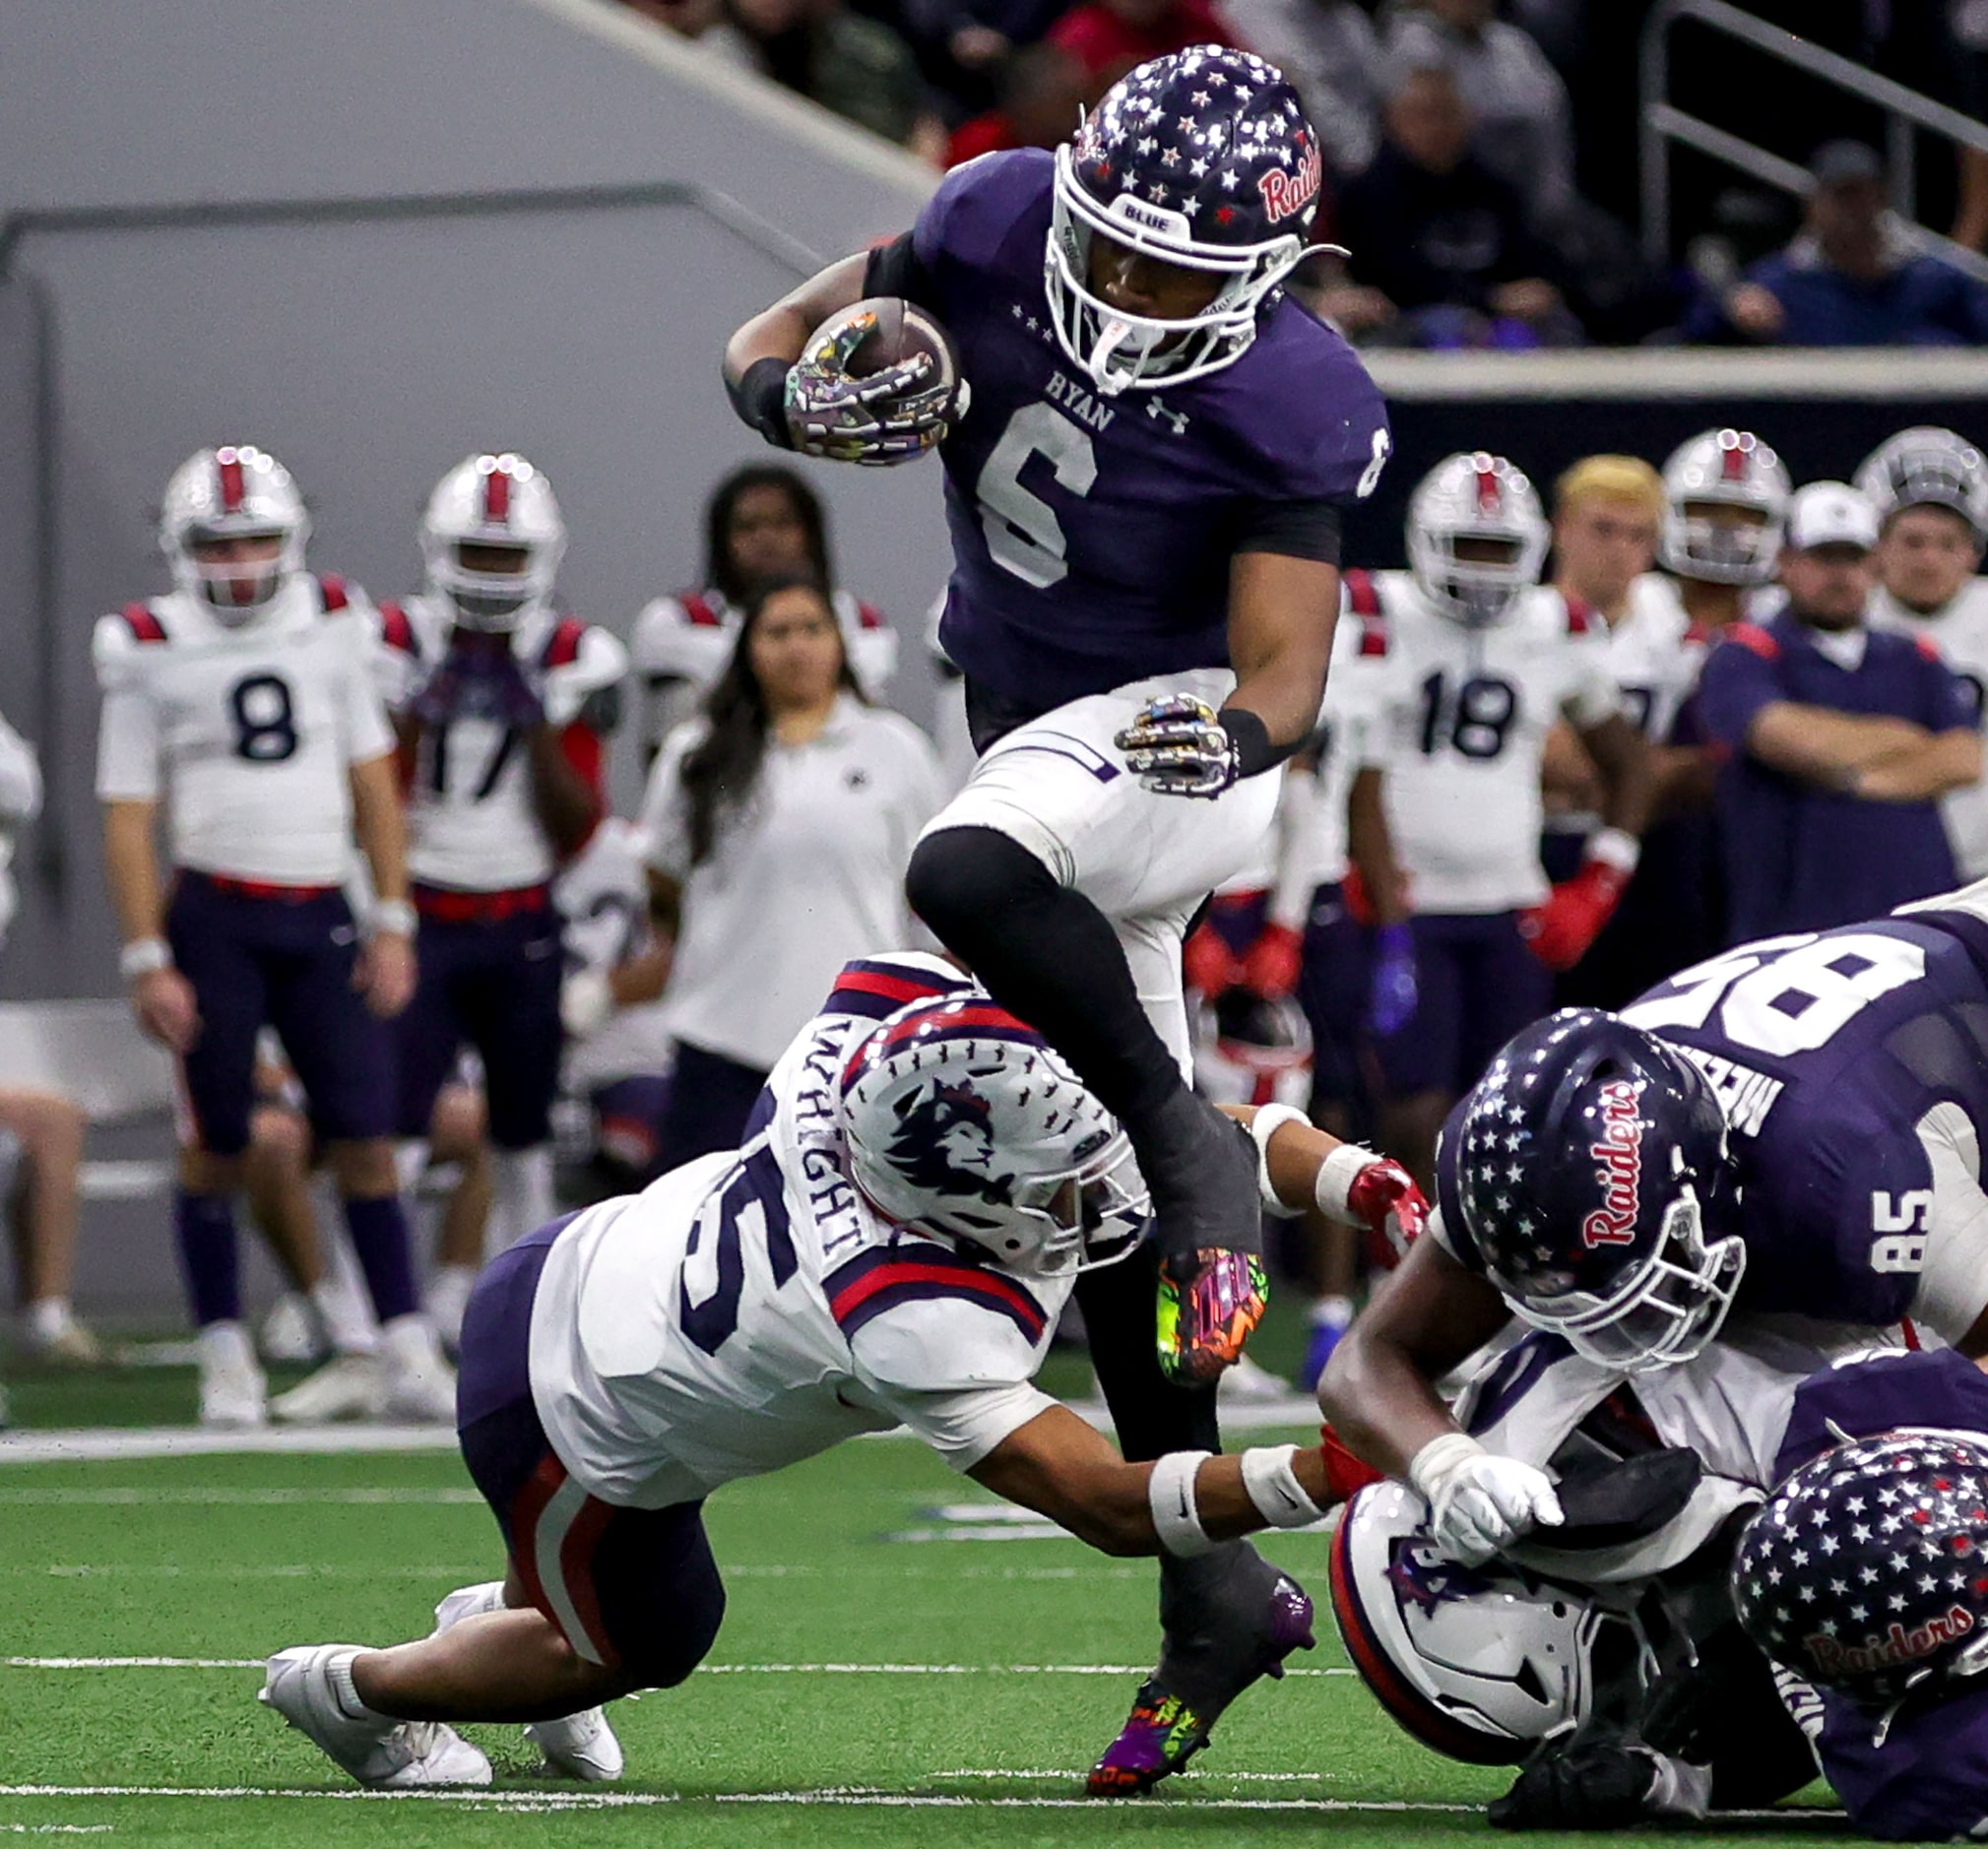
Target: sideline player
x=1143, y=502
x=1930, y=488
x=243, y=701
x=1792, y=1128
x=503, y=706
x=925, y=1180
x=1489, y=661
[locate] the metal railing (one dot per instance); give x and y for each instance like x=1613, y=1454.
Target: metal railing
x=1905, y=110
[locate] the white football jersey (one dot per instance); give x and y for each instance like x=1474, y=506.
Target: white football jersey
x=472, y=824
x=1464, y=733
x=680, y=645
x=245, y=733
x=1960, y=631
x=749, y=1310
x=603, y=895
x=1656, y=655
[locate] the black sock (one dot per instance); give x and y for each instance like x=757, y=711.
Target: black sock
x=1048, y=955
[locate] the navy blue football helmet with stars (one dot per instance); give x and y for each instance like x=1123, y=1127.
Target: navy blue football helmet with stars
x=1867, y=1572
x=1586, y=1175
x=1202, y=159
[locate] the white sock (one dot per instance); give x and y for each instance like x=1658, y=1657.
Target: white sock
x=1332, y=1312
x=448, y=1296
x=348, y=1320
x=48, y=1318
x=339, y=1671
x=226, y=1344
x=521, y=1195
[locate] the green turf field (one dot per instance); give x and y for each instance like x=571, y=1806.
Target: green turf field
x=864, y=1690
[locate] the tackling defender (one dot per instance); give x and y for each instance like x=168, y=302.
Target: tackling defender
x=1143, y=499
x=923, y=1181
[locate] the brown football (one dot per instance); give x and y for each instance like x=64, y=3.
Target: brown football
x=902, y=330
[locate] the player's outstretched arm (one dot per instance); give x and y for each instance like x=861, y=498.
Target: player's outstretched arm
x=1060, y=1467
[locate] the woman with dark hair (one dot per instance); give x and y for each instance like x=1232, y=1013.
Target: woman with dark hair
x=762, y=521
x=779, y=824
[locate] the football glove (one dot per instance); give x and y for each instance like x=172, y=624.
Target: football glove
x=1561, y=931
x=887, y=417
x=1179, y=747
x=1206, y=1318
x=1602, y=1784
x=1272, y=965
x=1208, y=965
x=1479, y=1502
x=1392, y=992
x=1386, y=1203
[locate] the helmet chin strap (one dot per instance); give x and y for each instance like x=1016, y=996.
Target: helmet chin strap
x=1114, y=335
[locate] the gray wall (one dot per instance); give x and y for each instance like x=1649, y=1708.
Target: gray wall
x=371, y=355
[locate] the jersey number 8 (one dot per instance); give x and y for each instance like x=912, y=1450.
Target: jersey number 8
x=265, y=719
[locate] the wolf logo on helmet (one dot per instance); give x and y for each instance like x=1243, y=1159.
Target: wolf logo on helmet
x=944, y=1141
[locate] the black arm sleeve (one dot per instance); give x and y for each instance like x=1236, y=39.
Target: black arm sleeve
x=1294, y=529
x=894, y=270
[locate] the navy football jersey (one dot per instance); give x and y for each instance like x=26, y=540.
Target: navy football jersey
x=1826, y=1051
x=1092, y=535
x=1929, y=1780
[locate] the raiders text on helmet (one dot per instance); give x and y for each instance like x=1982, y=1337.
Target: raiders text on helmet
x=1477, y=536
x=496, y=501
x=965, y=1124
x=1723, y=469
x=234, y=492
x=1203, y=159
x=1927, y=467
x=1582, y=1170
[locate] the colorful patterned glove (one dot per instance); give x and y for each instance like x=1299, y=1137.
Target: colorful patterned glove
x=885, y=418
x=1206, y=1319
x=1179, y=747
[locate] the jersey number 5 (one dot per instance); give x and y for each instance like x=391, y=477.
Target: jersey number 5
x=265, y=719
x=1024, y=535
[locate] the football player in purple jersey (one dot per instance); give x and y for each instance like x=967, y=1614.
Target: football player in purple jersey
x=1144, y=493
x=1794, y=1126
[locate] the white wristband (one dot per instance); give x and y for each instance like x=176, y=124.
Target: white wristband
x=1437, y=1460
x=1336, y=1176
x=1616, y=848
x=1273, y=1486
x=1269, y=1120
x=395, y=916
x=1170, y=1494
x=142, y=956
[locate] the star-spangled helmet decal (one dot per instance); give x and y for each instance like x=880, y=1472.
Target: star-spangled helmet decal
x=1867, y=1570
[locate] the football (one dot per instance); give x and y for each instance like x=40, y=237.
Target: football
x=902, y=328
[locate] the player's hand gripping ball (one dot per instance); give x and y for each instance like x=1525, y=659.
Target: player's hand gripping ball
x=1179, y=747
x=878, y=383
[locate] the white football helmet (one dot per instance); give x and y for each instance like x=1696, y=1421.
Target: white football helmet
x=966, y=1125
x=1254, y=1050
x=1927, y=465
x=1479, y=1663
x=1723, y=468
x=234, y=492
x=493, y=501
x=1485, y=501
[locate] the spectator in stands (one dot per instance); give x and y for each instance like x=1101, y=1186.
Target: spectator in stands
x=1039, y=99
x=1521, y=122
x=1841, y=738
x=40, y=1137
x=1442, y=253
x=1849, y=279
x=1329, y=51
x=762, y=521
x=1108, y=37
x=846, y=61
x=779, y=827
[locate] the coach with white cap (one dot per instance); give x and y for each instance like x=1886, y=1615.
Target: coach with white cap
x=1841, y=739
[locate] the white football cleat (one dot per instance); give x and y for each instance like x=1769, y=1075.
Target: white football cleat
x=582, y=1745
x=421, y=1386
x=1246, y=1384
x=385, y=1754
x=348, y=1387
x=469, y=1602
x=233, y=1392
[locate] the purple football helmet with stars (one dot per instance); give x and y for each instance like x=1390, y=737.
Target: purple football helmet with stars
x=1867, y=1572
x=1582, y=1175
x=1203, y=159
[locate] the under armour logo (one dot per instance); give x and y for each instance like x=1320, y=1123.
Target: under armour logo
x=1177, y=419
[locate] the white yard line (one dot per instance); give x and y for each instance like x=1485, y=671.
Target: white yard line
x=709, y=1669
x=154, y=1494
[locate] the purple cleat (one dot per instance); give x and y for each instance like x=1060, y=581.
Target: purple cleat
x=1229, y=1618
